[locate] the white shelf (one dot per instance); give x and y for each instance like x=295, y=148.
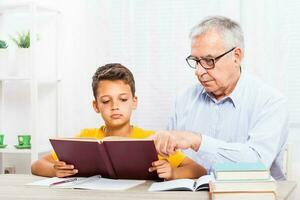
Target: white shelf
x=41, y=94
x=12, y=78
x=12, y=150
x=25, y=7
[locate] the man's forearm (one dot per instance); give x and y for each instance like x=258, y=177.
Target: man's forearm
x=231, y=152
x=187, y=139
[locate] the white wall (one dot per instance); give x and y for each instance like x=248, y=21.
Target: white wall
x=151, y=38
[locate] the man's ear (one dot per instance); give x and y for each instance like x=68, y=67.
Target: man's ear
x=135, y=102
x=95, y=106
x=238, y=56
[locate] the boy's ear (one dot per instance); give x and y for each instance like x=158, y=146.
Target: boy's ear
x=135, y=102
x=95, y=106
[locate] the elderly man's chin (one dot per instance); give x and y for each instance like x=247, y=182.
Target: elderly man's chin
x=209, y=86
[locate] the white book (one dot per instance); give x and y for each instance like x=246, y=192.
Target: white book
x=267, y=185
x=92, y=183
x=182, y=184
x=243, y=196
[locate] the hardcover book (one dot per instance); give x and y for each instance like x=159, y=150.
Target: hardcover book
x=114, y=158
x=268, y=185
x=243, y=195
x=241, y=171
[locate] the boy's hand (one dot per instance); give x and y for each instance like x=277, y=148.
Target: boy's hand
x=63, y=170
x=163, y=168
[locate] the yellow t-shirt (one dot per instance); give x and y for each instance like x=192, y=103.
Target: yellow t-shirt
x=136, y=133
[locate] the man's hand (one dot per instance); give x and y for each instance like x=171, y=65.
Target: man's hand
x=163, y=169
x=63, y=170
x=167, y=142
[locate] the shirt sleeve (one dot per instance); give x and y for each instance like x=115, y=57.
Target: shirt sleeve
x=266, y=137
x=54, y=156
x=174, y=160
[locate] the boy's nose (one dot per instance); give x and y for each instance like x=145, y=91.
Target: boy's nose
x=115, y=106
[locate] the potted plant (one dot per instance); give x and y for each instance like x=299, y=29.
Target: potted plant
x=22, y=40
x=22, y=58
x=3, y=57
x=3, y=44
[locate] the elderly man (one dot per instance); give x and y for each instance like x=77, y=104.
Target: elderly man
x=230, y=116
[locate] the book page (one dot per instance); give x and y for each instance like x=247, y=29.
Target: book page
x=49, y=181
x=179, y=184
x=92, y=183
x=87, y=139
x=121, y=138
x=109, y=184
x=202, y=182
x=77, y=182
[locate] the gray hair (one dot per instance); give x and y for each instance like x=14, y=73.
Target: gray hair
x=230, y=30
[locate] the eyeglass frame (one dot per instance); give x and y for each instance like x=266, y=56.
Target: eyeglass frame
x=198, y=61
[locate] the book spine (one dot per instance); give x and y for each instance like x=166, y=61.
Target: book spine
x=107, y=161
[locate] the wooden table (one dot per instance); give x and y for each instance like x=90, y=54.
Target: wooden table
x=12, y=188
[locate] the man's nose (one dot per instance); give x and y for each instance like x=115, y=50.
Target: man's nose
x=199, y=70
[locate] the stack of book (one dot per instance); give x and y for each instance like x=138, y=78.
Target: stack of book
x=242, y=181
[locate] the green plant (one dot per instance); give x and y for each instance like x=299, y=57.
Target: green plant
x=22, y=40
x=3, y=44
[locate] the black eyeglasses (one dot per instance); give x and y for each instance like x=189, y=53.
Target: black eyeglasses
x=206, y=63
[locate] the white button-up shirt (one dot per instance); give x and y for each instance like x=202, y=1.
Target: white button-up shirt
x=249, y=125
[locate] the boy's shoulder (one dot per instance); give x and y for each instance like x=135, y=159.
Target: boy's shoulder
x=140, y=133
x=92, y=133
x=98, y=133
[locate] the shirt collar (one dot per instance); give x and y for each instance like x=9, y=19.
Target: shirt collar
x=236, y=94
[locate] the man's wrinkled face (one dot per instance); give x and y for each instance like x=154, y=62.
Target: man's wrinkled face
x=218, y=79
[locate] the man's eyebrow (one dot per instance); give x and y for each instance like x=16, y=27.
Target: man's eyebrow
x=206, y=56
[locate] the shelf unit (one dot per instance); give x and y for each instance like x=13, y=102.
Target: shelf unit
x=34, y=83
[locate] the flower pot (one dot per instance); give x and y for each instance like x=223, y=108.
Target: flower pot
x=22, y=63
x=3, y=62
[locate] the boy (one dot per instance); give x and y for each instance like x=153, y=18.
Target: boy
x=114, y=92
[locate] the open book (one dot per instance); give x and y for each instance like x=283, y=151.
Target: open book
x=200, y=184
x=114, y=158
x=94, y=183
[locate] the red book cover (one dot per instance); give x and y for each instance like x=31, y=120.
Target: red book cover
x=121, y=159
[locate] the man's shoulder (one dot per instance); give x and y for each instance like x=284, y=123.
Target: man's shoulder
x=257, y=88
x=190, y=92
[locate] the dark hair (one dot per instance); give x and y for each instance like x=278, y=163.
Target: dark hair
x=113, y=71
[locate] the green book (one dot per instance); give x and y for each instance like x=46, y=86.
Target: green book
x=241, y=171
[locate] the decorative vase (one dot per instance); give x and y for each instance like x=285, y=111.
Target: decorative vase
x=22, y=63
x=3, y=62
